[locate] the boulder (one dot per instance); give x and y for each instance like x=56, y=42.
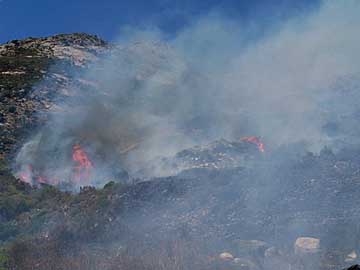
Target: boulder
x=226, y=256
x=351, y=257
x=306, y=245
x=307, y=251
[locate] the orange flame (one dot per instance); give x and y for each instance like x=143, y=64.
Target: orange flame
x=82, y=171
x=26, y=174
x=83, y=165
x=255, y=140
x=49, y=181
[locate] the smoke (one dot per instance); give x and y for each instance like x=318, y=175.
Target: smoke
x=278, y=82
x=153, y=95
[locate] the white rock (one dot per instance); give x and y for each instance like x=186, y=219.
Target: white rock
x=352, y=256
x=226, y=256
x=12, y=72
x=306, y=245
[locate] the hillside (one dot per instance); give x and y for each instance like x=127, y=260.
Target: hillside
x=26, y=63
x=220, y=205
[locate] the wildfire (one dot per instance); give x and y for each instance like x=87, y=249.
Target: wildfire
x=26, y=174
x=83, y=165
x=81, y=170
x=255, y=140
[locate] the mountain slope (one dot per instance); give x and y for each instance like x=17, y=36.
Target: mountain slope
x=221, y=196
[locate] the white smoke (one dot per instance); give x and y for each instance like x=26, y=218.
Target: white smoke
x=155, y=96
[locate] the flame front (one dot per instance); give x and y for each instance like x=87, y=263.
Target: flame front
x=80, y=177
x=255, y=140
x=26, y=174
x=83, y=166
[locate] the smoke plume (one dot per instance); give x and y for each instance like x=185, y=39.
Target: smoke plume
x=154, y=96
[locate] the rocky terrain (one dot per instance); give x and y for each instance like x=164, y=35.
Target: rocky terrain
x=226, y=205
x=26, y=63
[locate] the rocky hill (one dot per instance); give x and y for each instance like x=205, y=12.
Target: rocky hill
x=23, y=64
x=225, y=205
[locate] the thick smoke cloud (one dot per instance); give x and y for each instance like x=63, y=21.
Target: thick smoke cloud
x=280, y=81
x=153, y=96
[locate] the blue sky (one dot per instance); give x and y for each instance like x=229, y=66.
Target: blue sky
x=24, y=18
